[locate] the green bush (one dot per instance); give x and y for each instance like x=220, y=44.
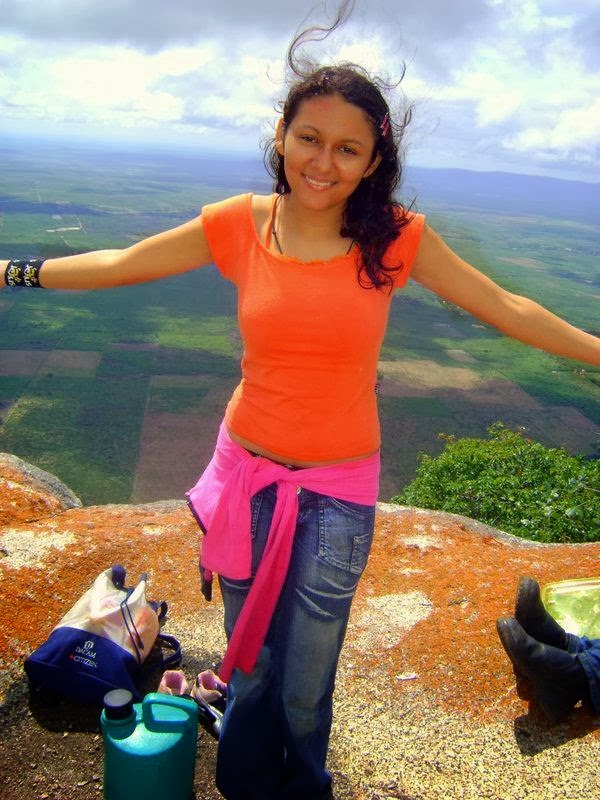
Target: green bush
x=512, y=483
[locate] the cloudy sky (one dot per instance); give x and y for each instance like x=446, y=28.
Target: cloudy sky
x=496, y=84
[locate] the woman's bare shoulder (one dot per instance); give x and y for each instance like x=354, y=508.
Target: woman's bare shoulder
x=262, y=205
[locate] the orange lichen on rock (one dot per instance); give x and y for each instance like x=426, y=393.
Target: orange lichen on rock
x=466, y=577
x=425, y=702
x=425, y=608
x=19, y=503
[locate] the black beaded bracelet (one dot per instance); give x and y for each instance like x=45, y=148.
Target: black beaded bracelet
x=24, y=272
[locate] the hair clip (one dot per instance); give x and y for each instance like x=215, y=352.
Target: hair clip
x=385, y=125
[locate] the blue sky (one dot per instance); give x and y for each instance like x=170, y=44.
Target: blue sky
x=508, y=85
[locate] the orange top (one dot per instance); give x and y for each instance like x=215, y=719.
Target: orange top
x=312, y=337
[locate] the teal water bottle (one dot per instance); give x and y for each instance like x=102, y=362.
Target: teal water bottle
x=149, y=747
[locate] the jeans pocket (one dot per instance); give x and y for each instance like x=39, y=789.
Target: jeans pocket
x=345, y=533
x=262, y=506
x=255, y=504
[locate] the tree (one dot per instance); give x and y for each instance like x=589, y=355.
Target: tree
x=512, y=483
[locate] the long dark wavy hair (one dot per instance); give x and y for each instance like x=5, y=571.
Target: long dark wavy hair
x=372, y=218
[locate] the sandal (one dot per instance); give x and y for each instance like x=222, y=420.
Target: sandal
x=210, y=692
x=174, y=682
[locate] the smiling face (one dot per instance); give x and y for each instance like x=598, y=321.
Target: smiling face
x=328, y=149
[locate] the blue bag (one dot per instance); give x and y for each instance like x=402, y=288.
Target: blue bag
x=102, y=642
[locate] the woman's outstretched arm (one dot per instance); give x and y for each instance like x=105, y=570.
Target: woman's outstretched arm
x=177, y=250
x=441, y=270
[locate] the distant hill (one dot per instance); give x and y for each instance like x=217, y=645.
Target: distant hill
x=505, y=192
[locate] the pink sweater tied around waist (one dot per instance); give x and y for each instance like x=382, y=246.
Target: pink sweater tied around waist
x=221, y=503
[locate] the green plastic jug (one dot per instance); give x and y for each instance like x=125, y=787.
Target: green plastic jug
x=575, y=604
x=149, y=747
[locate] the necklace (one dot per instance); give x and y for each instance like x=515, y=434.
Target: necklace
x=273, y=220
x=274, y=230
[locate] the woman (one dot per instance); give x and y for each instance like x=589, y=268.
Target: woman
x=288, y=500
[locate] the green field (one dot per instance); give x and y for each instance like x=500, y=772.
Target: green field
x=120, y=392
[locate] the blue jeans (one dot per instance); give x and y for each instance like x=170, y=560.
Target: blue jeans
x=588, y=653
x=275, y=734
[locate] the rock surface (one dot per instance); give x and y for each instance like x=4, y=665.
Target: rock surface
x=425, y=700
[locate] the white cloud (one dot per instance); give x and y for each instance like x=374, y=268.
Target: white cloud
x=523, y=89
x=573, y=132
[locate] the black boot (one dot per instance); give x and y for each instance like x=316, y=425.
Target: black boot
x=559, y=681
x=533, y=617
